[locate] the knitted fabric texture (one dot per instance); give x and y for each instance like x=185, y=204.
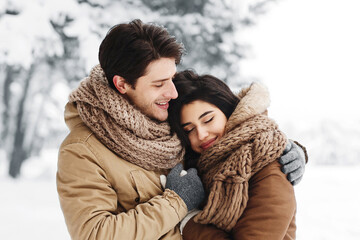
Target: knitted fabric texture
x=251, y=141
x=123, y=128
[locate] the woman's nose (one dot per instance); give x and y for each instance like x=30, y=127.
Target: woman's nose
x=202, y=133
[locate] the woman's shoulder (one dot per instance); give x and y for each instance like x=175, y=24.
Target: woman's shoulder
x=272, y=171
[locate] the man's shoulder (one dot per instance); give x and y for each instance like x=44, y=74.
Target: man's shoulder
x=81, y=140
x=80, y=134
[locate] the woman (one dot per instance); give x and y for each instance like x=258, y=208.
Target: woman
x=234, y=146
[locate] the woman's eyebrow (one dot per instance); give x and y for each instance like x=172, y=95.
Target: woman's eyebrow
x=202, y=115
x=185, y=124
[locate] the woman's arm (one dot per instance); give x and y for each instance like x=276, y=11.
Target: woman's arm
x=197, y=231
x=270, y=212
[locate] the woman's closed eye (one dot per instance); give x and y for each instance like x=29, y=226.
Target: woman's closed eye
x=208, y=120
x=187, y=131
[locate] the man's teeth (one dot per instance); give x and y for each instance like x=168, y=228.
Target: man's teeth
x=162, y=103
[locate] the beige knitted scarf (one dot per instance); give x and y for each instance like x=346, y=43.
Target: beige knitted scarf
x=251, y=141
x=123, y=128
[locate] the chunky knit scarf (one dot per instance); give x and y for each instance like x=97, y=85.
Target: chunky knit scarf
x=123, y=128
x=251, y=141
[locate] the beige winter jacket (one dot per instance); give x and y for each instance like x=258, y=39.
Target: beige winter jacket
x=105, y=197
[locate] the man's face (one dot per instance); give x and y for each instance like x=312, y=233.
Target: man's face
x=155, y=89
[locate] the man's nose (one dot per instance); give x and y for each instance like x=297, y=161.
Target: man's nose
x=170, y=91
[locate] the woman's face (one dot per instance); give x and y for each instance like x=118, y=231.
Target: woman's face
x=204, y=124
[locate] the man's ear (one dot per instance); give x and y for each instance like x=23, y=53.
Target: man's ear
x=120, y=84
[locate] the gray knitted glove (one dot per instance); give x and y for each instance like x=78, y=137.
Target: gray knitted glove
x=293, y=161
x=189, y=187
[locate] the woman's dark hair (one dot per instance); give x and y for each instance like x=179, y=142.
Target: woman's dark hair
x=129, y=48
x=192, y=87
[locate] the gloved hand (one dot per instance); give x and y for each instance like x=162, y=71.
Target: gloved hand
x=189, y=187
x=293, y=161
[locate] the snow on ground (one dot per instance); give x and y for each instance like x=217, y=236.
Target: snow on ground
x=328, y=202
x=29, y=206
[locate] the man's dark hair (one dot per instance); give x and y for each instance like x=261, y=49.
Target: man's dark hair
x=192, y=87
x=129, y=48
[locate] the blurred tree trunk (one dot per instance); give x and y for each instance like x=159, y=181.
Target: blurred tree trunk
x=11, y=73
x=19, y=151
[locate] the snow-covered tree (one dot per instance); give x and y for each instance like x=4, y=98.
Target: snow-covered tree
x=47, y=46
x=208, y=30
x=27, y=43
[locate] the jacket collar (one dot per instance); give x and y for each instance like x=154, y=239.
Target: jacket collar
x=71, y=116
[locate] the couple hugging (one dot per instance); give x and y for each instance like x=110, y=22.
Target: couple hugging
x=229, y=169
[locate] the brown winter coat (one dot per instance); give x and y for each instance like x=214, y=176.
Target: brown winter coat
x=270, y=212
x=105, y=197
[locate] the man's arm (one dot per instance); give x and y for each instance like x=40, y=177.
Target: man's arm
x=90, y=204
x=293, y=161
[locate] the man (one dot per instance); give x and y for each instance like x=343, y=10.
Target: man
x=119, y=143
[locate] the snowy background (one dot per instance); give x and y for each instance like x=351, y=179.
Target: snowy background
x=307, y=52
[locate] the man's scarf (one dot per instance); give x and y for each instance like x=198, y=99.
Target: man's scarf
x=124, y=129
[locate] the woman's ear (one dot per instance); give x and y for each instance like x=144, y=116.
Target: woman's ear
x=120, y=84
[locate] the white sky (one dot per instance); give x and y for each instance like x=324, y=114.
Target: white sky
x=307, y=52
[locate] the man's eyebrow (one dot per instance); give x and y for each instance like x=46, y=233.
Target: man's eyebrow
x=202, y=115
x=160, y=80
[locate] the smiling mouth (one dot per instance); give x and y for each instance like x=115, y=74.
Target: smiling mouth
x=163, y=105
x=208, y=144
